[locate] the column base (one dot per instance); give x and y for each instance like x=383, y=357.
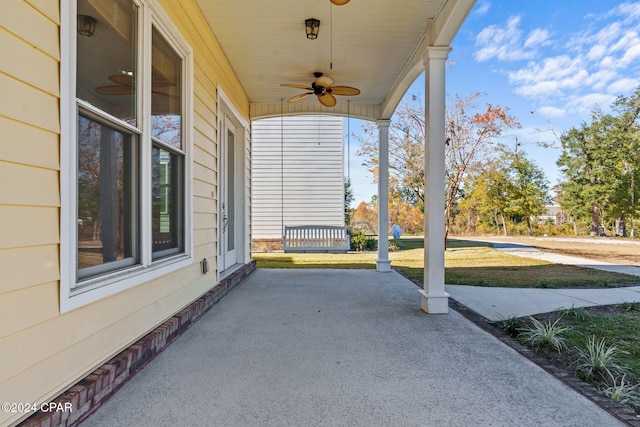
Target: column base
x=435, y=303
x=383, y=265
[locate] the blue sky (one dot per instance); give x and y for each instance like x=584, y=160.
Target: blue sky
x=549, y=62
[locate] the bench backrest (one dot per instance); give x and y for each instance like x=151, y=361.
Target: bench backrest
x=315, y=238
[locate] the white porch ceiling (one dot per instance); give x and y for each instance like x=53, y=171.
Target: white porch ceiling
x=375, y=45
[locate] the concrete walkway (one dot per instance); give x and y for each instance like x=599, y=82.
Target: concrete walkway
x=340, y=348
x=502, y=303
x=527, y=251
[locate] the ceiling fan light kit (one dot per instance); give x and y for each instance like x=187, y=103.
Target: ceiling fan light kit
x=324, y=89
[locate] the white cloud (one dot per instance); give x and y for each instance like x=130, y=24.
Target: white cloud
x=505, y=42
x=586, y=103
x=600, y=79
x=623, y=86
x=629, y=10
x=482, y=8
x=586, y=70
x=538, y=37
x=552, y=112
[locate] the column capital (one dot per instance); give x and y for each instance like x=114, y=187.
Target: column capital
x=436, y=52
x=383, y=123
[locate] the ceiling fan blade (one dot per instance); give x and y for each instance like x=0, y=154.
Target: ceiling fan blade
x=167, y=95
x=339, y=2
x=122, y=79
x=299, y=97
x=327, y=100
x=324, y=81
x=297, y=86
x=115, y=90
x=344, y=90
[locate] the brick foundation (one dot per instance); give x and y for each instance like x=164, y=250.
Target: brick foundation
x=88, y=394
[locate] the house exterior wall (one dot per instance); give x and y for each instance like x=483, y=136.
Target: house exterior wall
x=42, y=350
x=299, y=178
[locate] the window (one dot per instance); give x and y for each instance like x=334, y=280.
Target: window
x=126, y=170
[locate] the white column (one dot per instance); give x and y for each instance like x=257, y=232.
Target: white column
x=434, y=298
x=383, y=264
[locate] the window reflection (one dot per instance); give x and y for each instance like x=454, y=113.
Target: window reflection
x=166, y=105
x=167, y=204
x=106, y=213
x=106, y=61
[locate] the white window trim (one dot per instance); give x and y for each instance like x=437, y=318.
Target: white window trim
x=109, y=284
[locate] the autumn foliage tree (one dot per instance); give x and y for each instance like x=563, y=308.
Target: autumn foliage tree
x=472, y=134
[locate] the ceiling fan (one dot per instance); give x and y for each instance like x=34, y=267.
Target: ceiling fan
x=323, y=88
x=124, y=86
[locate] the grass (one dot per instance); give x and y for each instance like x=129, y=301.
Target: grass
x=602, y=347
x=466, y=262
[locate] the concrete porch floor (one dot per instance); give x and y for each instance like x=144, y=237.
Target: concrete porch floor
x=340, y=348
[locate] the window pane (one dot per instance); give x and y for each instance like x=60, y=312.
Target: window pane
x=106, y=60
x=167, y=203
x=106, y=212
x=166, y=93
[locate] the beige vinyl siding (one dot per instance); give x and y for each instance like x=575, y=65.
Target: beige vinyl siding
x=297, y=173
x=42, y=351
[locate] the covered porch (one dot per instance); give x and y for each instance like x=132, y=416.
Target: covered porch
x=340, y=347
x=289, y=54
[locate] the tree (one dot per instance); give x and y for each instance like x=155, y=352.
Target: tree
x=348, y=199
x=599, y=162
x=471, y=144
x=528, y=191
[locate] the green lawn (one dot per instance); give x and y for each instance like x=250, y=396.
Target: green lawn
x=466, y=263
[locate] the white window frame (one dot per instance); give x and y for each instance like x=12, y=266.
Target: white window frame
x=151, y=15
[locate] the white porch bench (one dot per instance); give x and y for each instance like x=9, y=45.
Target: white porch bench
x=315, y=238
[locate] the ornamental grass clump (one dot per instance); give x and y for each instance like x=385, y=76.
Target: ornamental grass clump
x=578, y=313
x=598, y=362
x=623, y=391
x=544, y=335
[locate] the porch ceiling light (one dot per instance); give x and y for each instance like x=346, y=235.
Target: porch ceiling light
x=86, y=25
x=313, y=26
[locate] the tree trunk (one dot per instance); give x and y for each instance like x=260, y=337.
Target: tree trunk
x=504, y=224
x=621, y=227
x=529, y=230
x=595, y=223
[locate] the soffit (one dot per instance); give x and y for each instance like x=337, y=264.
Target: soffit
x=374, y=45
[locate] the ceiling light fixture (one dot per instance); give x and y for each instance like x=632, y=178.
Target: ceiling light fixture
x=86, y=25
x=313, y=26
x=339, y=2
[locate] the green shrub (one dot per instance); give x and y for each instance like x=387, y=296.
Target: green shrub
x=358, y=241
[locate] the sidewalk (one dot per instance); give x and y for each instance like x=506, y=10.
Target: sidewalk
x=341, y=348
x=501, y=303
x=531, y=252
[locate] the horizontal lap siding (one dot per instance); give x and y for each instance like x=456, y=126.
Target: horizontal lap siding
x=305, y=160
x=42, y=351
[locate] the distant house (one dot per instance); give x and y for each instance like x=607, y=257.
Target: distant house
x=297, y=166
x=554, y=214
